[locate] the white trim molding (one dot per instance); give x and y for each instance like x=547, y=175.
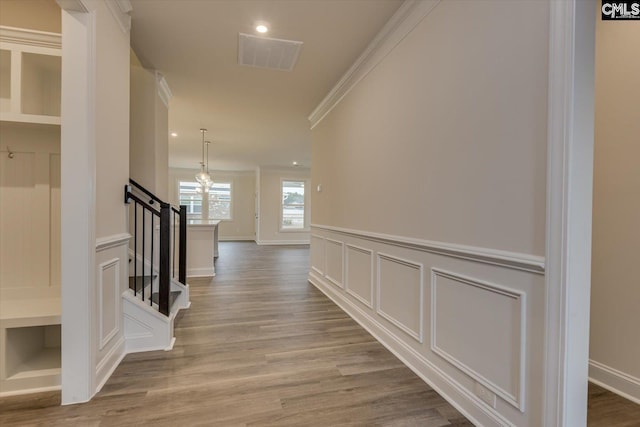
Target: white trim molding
x=121, y=9
x=113, y=241
x=348, y=290
x=282, y=242
x=406, y=18
x=569, y=206
x=416, y=335
x=517, y=398
x=73, y=5
x=104, y=339
x=164, y=91
x=462, y=399
x=27, y=37
x=513, y=260
x=339, y=282
x=618, y=382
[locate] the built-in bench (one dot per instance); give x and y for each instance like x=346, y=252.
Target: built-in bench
x=30, y=341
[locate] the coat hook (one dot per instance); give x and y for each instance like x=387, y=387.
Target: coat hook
x=11, y=154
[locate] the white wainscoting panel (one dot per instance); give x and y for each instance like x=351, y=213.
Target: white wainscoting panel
x=400, y=293
x=317, y=254
x=334, y=255
x=359, y=274
x=108, y=300
x=479, y=327
x=457, y=316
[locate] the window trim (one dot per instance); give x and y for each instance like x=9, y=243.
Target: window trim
x=305, y=227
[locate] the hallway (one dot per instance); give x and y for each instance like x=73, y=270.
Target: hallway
x=259, y=346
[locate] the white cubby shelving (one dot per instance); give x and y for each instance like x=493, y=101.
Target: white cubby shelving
x=30, y=316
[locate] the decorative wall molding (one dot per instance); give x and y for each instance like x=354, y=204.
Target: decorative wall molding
x=121, y=9
x=467, y=403
x=415, y=334
x=618, y=382
x=73, y=5
x=515, y=398
x=318, y=268
x=368, y=252
x=145, y=329
x=164, y=92
x=410, y=14
x=105, y=336
x=115, y=240
x=338, y=281
x=513, y=260
x=27, y=37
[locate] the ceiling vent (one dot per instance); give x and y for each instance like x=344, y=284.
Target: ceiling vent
x=264, y=52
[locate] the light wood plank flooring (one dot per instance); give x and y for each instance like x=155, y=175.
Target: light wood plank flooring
x=262, y=347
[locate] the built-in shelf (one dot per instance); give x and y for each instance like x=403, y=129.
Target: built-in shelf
x=30, y=309
x=30, y=78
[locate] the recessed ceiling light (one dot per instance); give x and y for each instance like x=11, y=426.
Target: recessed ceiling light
x=262, y=28
x=173, y=134
x=295, y=163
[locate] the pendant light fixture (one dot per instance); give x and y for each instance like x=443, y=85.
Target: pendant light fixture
x=210, y=177
x=203, y=177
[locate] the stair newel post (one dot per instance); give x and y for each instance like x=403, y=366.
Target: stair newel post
x=182, y=263
x=165, y=259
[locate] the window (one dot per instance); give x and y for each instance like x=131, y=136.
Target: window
x=191, y=197
x=214, y=204
x=292, y=217
x=220, y=200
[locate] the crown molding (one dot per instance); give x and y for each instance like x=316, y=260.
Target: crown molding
x=73, y=5
x=30, y=37
x=164, y=91
x=410, y=14
x=121, y=9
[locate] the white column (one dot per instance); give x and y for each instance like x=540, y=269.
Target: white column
x=78, y=204
x=569, y=196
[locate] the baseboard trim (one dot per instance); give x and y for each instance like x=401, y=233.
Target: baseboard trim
x=236, y=238
x=615, y=381
x=201, y=272
x=282, y=242
x=469, y=405
x=109, y=364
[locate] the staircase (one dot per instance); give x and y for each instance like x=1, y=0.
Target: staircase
x=157, y=288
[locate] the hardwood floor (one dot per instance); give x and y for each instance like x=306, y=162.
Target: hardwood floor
x=607, y=409
x=262, y=347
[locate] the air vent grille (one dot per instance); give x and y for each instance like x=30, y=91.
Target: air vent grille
x=264, y=52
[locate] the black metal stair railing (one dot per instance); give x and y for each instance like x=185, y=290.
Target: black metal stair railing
x=144, y=202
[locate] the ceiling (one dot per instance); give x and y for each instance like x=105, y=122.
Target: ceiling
x=255, y=117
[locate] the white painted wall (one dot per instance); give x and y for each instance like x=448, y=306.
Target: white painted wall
x=615, y=287
x=430, y=227
x=149, y=148
x=42, y=15
x=241, y=226
x=270, y=205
